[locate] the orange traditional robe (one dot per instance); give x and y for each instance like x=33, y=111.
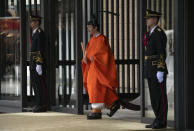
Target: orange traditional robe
x=100, y=75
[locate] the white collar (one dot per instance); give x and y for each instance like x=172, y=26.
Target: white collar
x=153, y=29
x=98, y=34
x=34, y=31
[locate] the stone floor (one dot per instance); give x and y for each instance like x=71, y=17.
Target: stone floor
x=52, y=121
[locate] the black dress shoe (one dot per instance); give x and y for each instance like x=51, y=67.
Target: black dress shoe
x=114, y=108
x=158, y=126
x=149, y=126
x=92, y=116
x=38, y=109
x=35, y=108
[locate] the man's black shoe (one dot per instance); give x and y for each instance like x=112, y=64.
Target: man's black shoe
x=149, y=126
x=92, y=116
x=39, y=109
x=35, y=107
x=114, y=108
x=158, y=126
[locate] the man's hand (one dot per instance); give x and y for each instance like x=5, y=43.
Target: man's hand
x=160, y=76
x=85, y=60
x=39, y=69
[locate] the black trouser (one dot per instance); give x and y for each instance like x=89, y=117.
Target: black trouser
x=158, y=98
x=38, y=86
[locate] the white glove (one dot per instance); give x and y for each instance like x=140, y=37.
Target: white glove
x=160, y=76
x=39, y=69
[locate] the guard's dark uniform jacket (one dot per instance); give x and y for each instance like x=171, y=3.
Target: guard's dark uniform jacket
x=155, y=56
x=37, y=48
x=155, y=52
x=37, y=58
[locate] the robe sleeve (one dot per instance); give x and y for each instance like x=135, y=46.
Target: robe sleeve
x=85, y=69
x=104, y=64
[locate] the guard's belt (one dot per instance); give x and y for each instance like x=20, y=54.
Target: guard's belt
x=152, y=57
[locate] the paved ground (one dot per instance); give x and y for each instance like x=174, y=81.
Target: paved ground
x=52, y=121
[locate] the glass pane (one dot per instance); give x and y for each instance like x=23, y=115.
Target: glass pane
x=30, y=6
x=166, y=7
x=10, y=74
x=65, y=73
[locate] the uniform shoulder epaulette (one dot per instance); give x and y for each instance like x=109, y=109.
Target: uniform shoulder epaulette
x=159, y=29
x=39, y=30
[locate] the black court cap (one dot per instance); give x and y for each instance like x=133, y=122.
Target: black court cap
x=151, y=13
x=35, y=18
x=93, y=21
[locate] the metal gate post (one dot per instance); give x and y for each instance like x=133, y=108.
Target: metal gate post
x=78, y=39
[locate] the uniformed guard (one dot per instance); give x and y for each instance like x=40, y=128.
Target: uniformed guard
x=37, y=68
x=155, y=68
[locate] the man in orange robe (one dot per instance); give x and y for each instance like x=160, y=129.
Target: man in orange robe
x=99, y=73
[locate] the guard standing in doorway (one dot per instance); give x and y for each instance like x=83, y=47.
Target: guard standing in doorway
x=37, y=65
x=155, y=68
